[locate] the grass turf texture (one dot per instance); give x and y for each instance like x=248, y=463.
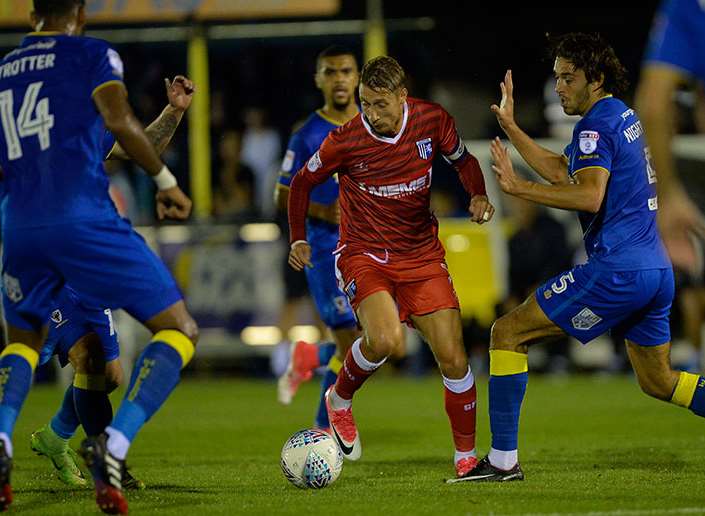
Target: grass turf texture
x=587, y=444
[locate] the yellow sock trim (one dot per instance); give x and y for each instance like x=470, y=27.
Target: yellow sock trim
x=685, y=389
x=23, y=350
x=179, y=342
x=504, y=363
x=89, y=382
x=335, y=365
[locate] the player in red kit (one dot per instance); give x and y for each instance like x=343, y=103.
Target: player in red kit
x=390, y=262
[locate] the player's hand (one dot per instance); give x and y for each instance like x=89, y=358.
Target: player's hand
x=179, y=92
x=508, y=181
x=173, y=204
x=505, y=111
x=480, y=209
x=679, y=221
x=300, y=256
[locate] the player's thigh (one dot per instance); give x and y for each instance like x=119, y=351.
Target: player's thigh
x=652, y=365
x=443, y=331
x=379, y=319
x=524, y=325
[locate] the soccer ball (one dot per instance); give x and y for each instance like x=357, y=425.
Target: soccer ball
x=311, y=459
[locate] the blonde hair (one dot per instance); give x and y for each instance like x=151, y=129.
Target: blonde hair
x=383, y=72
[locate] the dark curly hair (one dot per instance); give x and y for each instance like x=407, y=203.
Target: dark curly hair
x=594, y=56
x=56, y=7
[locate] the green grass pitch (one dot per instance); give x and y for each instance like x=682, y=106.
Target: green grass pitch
x=588, y=445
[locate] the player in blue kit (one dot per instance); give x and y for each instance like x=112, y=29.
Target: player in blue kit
x=59, y=91
x=337, y=77
x=87, y=338
x=626, y=286
x=674, y=57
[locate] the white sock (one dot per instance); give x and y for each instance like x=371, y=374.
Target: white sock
x=118, y=444
x=337, y=402
x=8, y=443
x=360, y=359
x=464, y=455
x=505, y=460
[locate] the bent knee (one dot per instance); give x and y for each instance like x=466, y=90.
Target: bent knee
x=384, y=343
x=503, y=336
x=455, y=366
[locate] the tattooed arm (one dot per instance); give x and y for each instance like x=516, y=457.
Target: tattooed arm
x=179, y=92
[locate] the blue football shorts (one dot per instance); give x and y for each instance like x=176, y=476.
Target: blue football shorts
x=586, y=302
x=70, y=321
x=107, y=264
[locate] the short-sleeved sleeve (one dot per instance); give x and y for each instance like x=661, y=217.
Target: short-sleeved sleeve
x=593, y=146
x=675, y=37
x=297, y=152
x=103, y=65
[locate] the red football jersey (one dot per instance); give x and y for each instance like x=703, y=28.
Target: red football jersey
x=384, y=182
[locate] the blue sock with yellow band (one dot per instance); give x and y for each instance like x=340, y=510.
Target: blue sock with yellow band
x=91, y=402
x=65, y=422
x=690, y=393
x=17, y=364
x=329, y=378
x=508, y=378
x=156, y=374
x=326, y=351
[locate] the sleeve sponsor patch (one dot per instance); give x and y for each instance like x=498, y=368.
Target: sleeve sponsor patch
x=314, y=163
x=587, y=140
x=116, y=62
x=288, y=161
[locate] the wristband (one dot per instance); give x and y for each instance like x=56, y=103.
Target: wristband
x=165, y=179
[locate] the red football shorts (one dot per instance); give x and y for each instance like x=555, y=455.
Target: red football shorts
x=418, y=289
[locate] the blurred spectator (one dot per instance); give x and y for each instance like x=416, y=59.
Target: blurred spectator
x=690, y=289
x=261, y=148
x=233, y=192
x=538, y=250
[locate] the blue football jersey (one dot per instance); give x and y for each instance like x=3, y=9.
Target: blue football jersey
x=52, y=143
x=623, y=235
x=678, y=36
x=302, y=145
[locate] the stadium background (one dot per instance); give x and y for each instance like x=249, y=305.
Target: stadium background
x=229, y=258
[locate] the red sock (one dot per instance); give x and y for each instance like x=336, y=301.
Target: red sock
x=306, y=356
x=351, y=377
x=461, y=412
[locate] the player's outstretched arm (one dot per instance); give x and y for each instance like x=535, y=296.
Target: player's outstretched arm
x=160, y=132
x=586, y=194
x=549, y=165
x=120, y=120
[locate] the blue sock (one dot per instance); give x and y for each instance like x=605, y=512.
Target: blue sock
x=156, y=373
x=325, y=352
x=65, y=422
x=334, y=365
x=508, y=379
x=690, y=393
x=92, y=403
x=17, y=363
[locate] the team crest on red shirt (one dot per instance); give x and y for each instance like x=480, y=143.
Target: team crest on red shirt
x=425, y=148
